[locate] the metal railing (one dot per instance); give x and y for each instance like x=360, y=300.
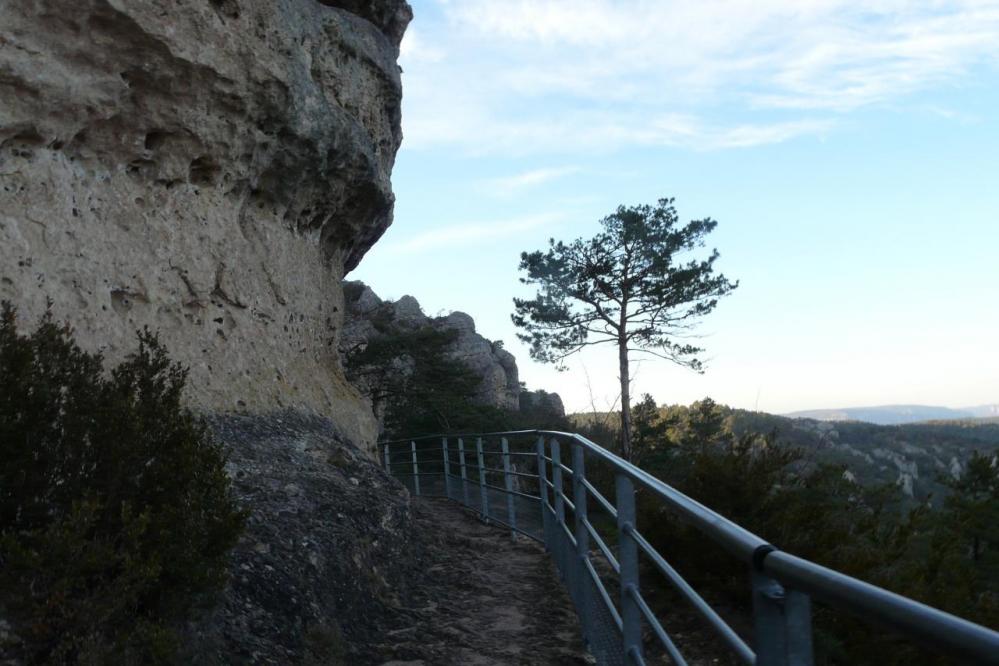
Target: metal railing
x=466, y=468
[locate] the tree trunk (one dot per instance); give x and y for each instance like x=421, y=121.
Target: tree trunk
x=622, y=354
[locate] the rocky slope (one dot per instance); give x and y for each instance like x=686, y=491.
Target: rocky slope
x=207, y=168
x=331, y=555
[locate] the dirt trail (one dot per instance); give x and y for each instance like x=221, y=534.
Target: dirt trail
x=493, y=600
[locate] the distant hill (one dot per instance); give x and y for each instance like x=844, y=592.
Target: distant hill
x=983, y=411
x=898, y=414
x=916, y=456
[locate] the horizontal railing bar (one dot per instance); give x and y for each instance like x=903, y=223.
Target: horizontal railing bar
x=525, y=474
x=512, y=492
x=568, y=533
x=508, y=433
x=611, y=608
x=717, y=623
x=420, y=462
x=568, y=502
x=566, y=469
x=511, y=472
x=657, y=627
x=417, y=473
x=923, y=623
x=506, y=524
x=523, y=454
x=615, y=565
x=734, y=538
x=608, y=507
x=408, y=461
x=410, y=450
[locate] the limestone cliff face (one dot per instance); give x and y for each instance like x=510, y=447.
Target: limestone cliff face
x=207, y=168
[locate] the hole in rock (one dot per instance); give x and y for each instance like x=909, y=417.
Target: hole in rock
x=155, y=139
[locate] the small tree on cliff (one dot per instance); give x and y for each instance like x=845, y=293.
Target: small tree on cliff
x=628, y=286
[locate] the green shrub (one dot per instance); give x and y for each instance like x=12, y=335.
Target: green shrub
x=116, y=515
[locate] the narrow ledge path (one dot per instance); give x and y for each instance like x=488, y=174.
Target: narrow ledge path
x=493, y=600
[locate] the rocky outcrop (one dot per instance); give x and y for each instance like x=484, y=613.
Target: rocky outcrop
x=210, y=170
x=497, y=367
x=541, y=401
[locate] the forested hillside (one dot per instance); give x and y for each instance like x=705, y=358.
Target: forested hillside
x=917, y=456
x=914, y=509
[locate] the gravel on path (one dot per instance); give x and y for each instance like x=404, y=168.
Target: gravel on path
x=489, y=600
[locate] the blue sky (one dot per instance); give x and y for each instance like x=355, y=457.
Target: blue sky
x=849, y=151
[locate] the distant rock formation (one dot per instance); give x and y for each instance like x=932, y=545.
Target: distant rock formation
x=497, y=367
x=542, y=401
x=208, y=169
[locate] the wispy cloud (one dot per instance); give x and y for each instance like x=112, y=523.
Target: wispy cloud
x=507, y=186
x=472, y=233
x=415, y=48
x=563, y=76
x=588, y=131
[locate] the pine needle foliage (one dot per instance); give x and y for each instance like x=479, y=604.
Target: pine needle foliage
x=633, y=285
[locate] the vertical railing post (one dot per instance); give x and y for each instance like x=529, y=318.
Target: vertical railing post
x=464, y=472
x=561, y=543
x=543, y=493
x=388, y=465
x=768, y=621
x=782, y=624
x=483, y=494
x=585, y=601
x=416, y=469
x=798, y=625
x=631, y=614
x=511, y=513
x=447, y=467
x=557, y=482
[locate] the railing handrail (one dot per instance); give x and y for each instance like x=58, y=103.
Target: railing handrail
x=925, y=624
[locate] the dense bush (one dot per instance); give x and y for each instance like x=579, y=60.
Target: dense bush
x=116, y=514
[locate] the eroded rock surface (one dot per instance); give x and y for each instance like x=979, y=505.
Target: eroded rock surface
x=497, y=367
x=207, y=168
x=330, y=556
